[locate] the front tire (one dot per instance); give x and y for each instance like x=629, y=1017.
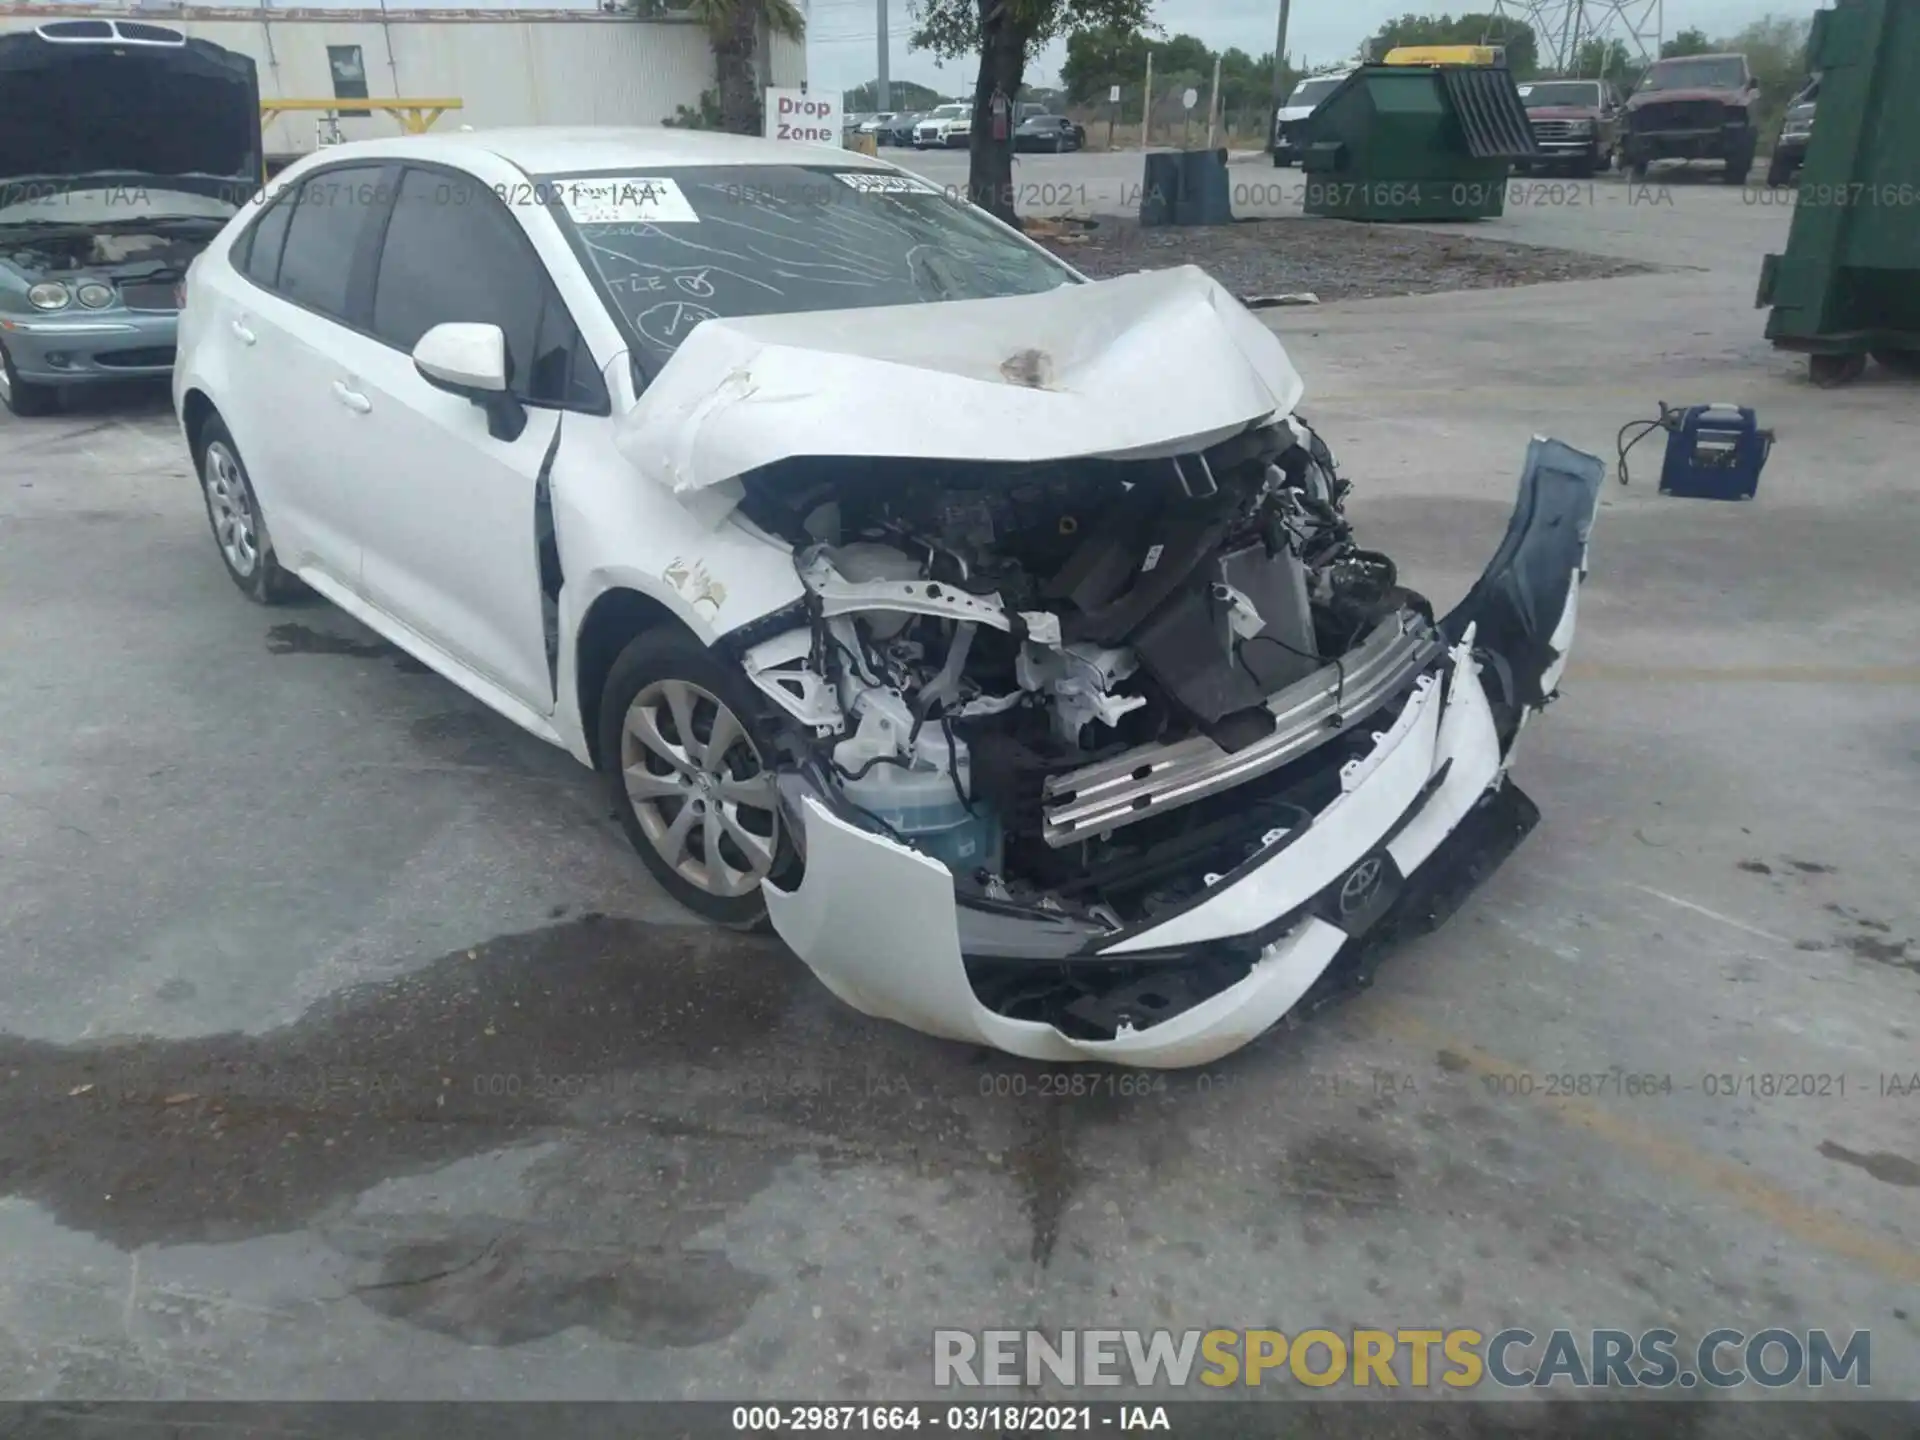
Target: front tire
x=239, y=529
x=23, y=397
x=688, y=768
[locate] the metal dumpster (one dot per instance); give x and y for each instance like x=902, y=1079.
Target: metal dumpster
x=1417, y=142
x=1849, y=282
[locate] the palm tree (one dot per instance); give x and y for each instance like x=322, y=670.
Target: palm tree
x=734, y=26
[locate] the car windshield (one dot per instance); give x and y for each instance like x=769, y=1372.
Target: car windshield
x=1312, y=92
x=1705, y=73
x=946, y=112
x=677, y=246
x=1560, y=92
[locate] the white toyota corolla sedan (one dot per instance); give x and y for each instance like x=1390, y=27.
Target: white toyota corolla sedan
x=998, y=634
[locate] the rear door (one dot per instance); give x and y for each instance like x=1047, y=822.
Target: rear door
x=445, y=514
x=300, y=263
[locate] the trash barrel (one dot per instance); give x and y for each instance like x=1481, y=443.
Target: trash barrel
x=1848, y=285
x=1416, y=142
x=1186, y=187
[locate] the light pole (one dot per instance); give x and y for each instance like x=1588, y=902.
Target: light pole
x=883, y=91
x=1280, y=63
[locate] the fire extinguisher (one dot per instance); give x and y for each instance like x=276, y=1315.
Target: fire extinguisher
x=1002, y=115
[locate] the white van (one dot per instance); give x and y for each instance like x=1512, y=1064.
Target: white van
x=1304, y=100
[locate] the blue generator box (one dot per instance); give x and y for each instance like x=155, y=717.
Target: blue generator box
x=1716, y=452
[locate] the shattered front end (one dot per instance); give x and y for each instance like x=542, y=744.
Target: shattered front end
x=1100, y=736
x=1134, y=803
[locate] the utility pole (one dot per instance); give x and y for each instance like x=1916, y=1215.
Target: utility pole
x=1279, y=64
x=883, y=92
x=1213, y=104
x=1146, y=118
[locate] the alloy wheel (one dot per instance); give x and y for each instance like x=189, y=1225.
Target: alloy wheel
x=700, y=788
x=231, y=505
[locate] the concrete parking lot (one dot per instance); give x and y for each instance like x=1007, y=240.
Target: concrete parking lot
x=349, y=1052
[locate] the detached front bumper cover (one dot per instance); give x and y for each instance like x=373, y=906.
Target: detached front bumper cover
x=1421, y=817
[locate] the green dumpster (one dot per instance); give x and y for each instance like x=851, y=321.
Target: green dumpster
x=1849, y=282
x=1416, y=142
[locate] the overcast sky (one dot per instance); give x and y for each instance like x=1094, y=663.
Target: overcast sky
x=843, y=51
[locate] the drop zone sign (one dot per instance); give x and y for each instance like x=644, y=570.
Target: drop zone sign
x=814, y=119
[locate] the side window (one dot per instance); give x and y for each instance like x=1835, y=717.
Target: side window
x=257, y=256
x=453, y=253
x=329, y=217
x=349, y=68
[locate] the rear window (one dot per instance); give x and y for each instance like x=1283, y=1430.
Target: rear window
x=679, y=246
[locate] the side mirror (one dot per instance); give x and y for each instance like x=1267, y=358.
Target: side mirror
x=1753, y=82
x=471, y=361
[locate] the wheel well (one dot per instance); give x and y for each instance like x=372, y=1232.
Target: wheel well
x=614, y=619
x=195, y=411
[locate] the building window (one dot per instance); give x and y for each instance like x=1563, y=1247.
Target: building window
x=349, y=77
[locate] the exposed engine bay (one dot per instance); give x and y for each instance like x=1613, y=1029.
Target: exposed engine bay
x=1088, y=688
x=122, y=251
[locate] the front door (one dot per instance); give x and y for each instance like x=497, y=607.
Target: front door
x=445, y=512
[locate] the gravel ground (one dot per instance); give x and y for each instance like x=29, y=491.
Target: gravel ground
x=1334, y=259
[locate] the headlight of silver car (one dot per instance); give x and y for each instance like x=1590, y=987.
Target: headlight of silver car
x=93, y=294
x=49, y=295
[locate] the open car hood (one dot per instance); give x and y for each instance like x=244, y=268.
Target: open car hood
x=118, y=113
x=1160, y=363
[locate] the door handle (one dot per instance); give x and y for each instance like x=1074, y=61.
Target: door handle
x=242, y=333
x=351, y=398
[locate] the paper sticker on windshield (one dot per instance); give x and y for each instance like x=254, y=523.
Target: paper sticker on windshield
x=628, y=200
x=878, y=182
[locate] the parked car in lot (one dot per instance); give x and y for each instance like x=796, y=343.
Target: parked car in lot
x=1576, y=124
x=945, y=127
x=1796, y=134
x=99, y=220
x=875, y=123
x=1079, y=728
x=1053, y=133
x=899, y=130
x=1290, y=120
x=1700, y=107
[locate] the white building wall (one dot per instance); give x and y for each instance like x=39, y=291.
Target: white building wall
x=560, y=68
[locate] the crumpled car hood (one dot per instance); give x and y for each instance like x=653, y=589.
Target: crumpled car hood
x=1163, y=362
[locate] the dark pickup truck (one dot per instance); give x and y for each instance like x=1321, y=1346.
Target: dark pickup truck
x=1576, y=124
x=1700, y=107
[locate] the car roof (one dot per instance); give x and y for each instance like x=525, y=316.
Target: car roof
x=566, y=149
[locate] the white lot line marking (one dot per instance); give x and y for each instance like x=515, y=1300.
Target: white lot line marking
x=1712, y=914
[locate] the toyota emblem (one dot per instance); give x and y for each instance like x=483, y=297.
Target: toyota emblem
x=1362, y=883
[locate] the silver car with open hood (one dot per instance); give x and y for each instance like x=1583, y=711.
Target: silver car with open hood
x=124, y=148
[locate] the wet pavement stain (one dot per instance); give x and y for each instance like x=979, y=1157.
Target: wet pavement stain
x=591, y=1022
x=1883, y=952
x=297, y=639
x=1880, y=1164
x=1342, y=1171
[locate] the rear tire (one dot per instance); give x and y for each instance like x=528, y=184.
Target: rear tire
x=239, y=527
x=706, y=825
x=23, y=397
x=1901, y=362
x=1640, y=169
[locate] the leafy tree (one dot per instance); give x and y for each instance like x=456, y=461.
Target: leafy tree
x=704, y=116
x=1605, y=60
x=906, y=95
x=1100, y=58
x=1776, y=51
x=1687, y=42
x=734, y=28
x=1005, y=34
x=1522, y=45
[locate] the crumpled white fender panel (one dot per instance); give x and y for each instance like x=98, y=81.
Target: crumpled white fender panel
x=1074, y=372
x=900, y=960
